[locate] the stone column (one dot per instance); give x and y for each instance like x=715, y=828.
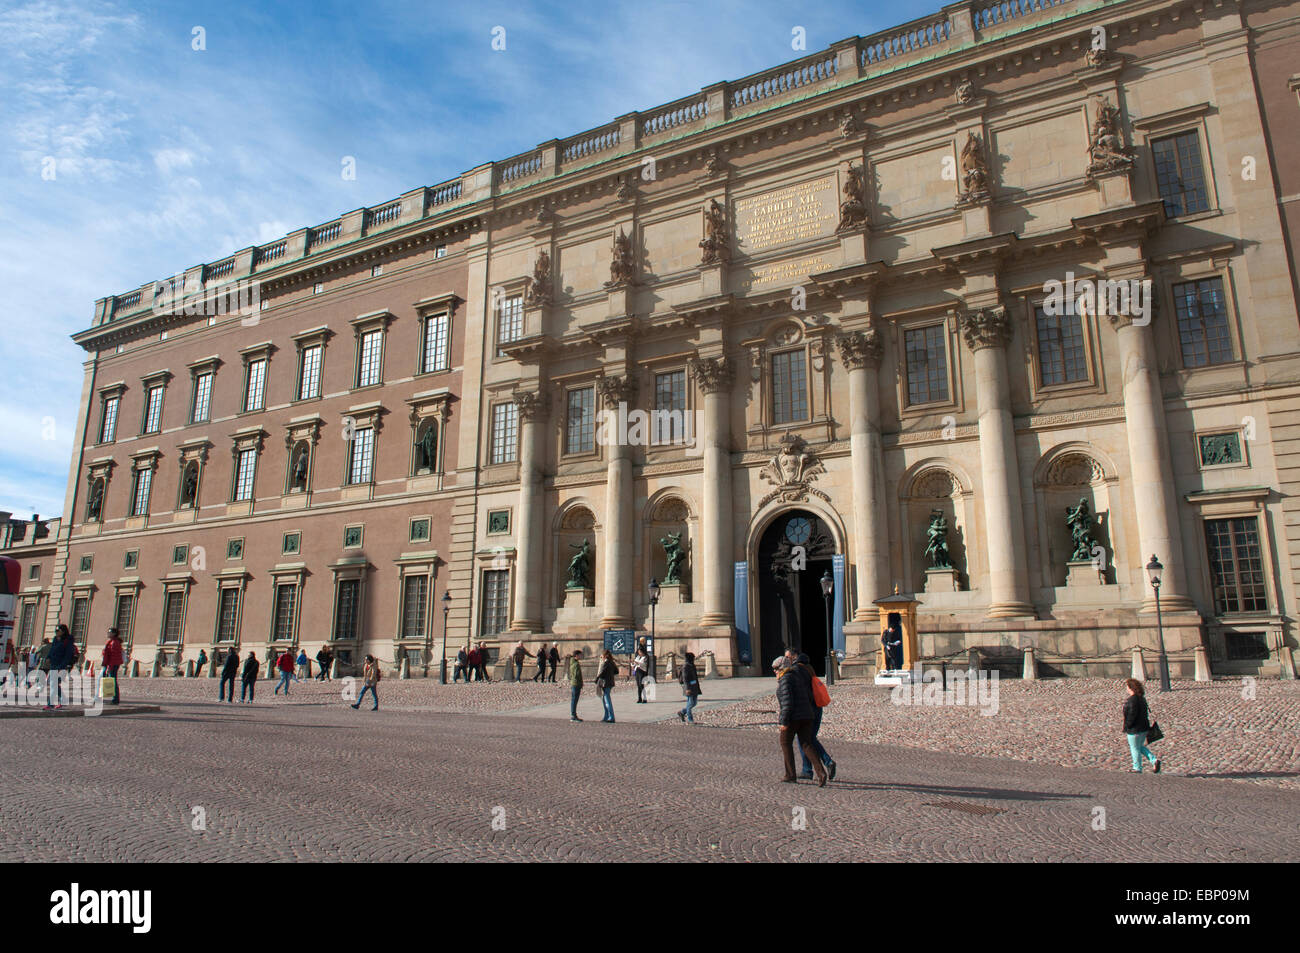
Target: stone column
x=860, y=351
x=714, y=376
x=987, y=332
x=529, y=558
x=1150, y=463
x=620, y=566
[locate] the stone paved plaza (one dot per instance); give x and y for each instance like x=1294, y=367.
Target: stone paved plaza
x=310, y=780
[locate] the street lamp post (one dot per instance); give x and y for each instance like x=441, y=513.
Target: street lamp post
x=650, y=646
x=446, y=608
x=828, y=588
x=1154, y=569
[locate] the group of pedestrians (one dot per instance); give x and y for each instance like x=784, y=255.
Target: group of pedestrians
x=472, y=662
x=801, y=696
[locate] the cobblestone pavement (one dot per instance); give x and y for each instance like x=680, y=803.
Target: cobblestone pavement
x=1210, y=729
x=317, y=782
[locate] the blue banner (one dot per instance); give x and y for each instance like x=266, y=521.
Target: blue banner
x=741, y=610
x=837, y=625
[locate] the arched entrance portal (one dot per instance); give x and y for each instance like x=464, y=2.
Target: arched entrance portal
x=794, y=553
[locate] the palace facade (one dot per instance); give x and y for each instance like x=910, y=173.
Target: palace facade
x=990, y=308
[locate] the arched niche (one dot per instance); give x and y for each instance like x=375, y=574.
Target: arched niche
x=930, y=486
x=1063, y=476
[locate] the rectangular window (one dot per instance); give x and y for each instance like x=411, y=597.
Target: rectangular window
x=174, y=617
x=286, y=601
x=254, y=392
x=228, y=615
x=347, y=610
x=496, y=601
x=153, y=410
x=245, y=467
x=927, y=364
x=27, y=626
x=1236, y=565
x=309, y=372
x=1180, y=175
x=789, y=387
x=1061, y=358
x=362, y=456
x=108, y=423
x=437, y=355
x=80, y=620
x=582, y=421
x=670, y=407
x=202, y=399
x=415, y=597
x=505, y=433
x=140, y=492
x=372, y=344
x=510, y=321
x=123, y=615
x=34, y=572
x=1202, y=322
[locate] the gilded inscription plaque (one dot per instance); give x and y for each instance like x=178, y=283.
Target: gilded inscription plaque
x=789, y=214
x=783, y=273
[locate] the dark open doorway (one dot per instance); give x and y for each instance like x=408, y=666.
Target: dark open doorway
x=794, y=553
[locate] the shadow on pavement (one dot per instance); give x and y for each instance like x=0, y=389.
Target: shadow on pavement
x=991, y=794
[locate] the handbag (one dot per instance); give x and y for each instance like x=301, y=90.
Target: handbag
x=1154, y=733
x=107, y=687
x=821, y=694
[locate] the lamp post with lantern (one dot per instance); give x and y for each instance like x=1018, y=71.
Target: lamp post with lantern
x=828, y=589
x=1154, y=568
x=650, y=643
x=446, y=608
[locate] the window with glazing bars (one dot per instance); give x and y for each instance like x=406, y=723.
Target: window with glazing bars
x=582, y=421
x=789, y=387
x=1061, y=358
x=173, y=616
x=362, y=456
x=496, y=601
x=670, y=407
x=122, y=616
x=1236, y=565
x=254, y=392
x=286, y=600
x=228, y=614
x=1180, y=174
x=108, y=426
x=505, y=433
x=309, y=373
x=510, y=321
x=437, y=355
x=372, y=344
x=140, y=492
x=202, y=399
x=415, y=598
x=346, y=607
x=28, y=624
x=1203, y=329
x=245, y=467
x=80, y=620
x=153, y=410
x=927, y=364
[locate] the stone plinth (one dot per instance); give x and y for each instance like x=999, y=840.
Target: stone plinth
x=1083, y=574
x=941, y=580
x=674, y=595
x=579, y=598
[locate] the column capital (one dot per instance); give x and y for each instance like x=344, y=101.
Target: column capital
x=531, y=404
x=984, y=327
x=713, y=374
x=614, y=390
x=859, y=349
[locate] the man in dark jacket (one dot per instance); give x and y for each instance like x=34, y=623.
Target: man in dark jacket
x=249, y=685
x=323, y=660
x=228, y=672
x=61, y=655
x=554, y=659
x=541, y=664
x=794, y=695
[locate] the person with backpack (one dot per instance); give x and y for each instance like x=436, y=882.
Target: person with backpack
x=575, y=683
x=541, y=664
x=821, y=698
x=202, y=661
x=285, y=664
x=249, y=679
x=794, y=696
x=606, y=679
x=111, y=661
x=690, y=680
x=228, y=672
x=370, y=677
x=1137, y=724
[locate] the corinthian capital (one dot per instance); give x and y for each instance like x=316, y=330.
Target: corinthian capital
x=859, y=349
x=531, y=404
x=615, y=390
x=713, y=374
x=985, y=327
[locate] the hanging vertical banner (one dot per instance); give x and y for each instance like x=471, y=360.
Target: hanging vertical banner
x=741, y=612
x=837, y=625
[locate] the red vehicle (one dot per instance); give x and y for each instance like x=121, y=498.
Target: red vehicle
x=10, y=579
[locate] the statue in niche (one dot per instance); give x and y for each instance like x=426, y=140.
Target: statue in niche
x=622, y=269
x=936, y=541
x=426, y=448
x=674, y=555
x=853, y=210
x=580, y=566
x=1106, y=150
x=300, y=464
x=95, y=505
x=716, y=246
x=190, y=485
x=974, y=169
x=1079, y=519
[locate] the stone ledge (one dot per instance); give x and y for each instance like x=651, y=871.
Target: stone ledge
x=69, y=712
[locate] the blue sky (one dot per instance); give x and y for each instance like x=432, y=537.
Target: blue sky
x=166, y=156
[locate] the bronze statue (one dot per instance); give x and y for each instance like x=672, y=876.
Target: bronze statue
x=715, y=243
x=1079, y=519
x=675, y=555
x=190, y=485
x=95, y=505
x=580, y=566
x=853, y=210
x=936, y=545
x=300, y=470
x=427, y=448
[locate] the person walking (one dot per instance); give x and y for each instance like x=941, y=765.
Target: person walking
x=200, y=662
x=370, y=677
x=520, y=654
x=472, y=663
x=541, y=664
x=1137, y=722
x=606, y=679
x=554, y=658
x=111, y=661
x=228, y=672
x=820, y=694
x=462, y=666
x=794, y=696
x=304, y=665
x=575, y=683
x=640, y=665
x=56, y=664
x=323, y=663
x=483, y=660
x=285, y=664
x=690, y=680
x=249, y=685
